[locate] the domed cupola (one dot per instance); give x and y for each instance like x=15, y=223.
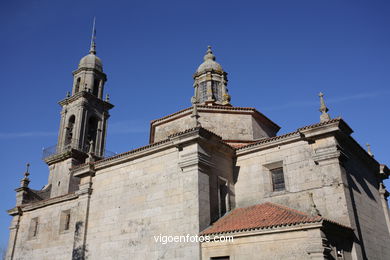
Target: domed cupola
x=91, y=61
x=209, y=63
x=210, y=82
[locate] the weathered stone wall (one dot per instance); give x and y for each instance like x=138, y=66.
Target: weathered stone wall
x=163, y=192
x=134, y=201
x=301, y=174
x=50, y=242
x=364, y=206
x=60, y=178
x=344, y=187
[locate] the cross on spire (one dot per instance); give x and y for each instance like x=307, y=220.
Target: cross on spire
x=92, y=49
x=25, y=181
x=209, y=54
x=369, y=150
x=323, y=109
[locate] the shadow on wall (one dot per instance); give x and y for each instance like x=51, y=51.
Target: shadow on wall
x=79, y=252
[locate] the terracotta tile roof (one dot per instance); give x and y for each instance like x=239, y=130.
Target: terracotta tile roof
x=266, y=215
x=270, y=139
x=236, y=146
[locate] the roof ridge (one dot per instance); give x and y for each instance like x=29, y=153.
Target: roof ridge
x=336, y=119
x=268, y=139
x=300, y=213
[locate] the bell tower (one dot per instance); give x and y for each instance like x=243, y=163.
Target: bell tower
x=83, y=124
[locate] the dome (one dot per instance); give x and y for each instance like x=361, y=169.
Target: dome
x=209, y=62
x=91, y=61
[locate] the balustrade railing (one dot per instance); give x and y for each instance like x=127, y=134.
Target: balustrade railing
x=74, y=144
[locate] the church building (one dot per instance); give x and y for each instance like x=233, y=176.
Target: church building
x=212, y=169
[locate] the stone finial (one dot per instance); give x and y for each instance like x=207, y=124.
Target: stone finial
x=369, y=150
x=26, y=181
x=382, y=188
x=92, y=49
x=226, y=99
x=209, y=54
x=91, y=147
x=323, y=109
x=195, y=113
x=91, y=153
x=313, y=208
x=107, y=98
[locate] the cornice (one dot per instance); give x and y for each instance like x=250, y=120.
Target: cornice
x=88, y=96
x=176, y=140
x=40, y=204
x=104, y=76
x=71, y=153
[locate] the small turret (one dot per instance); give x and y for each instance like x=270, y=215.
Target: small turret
x=210, y=82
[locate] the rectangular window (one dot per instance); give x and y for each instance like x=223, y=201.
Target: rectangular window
x=33, y=231
x=65, y=220
x=223, y=196
x=220, y=258
x=216, y=90
x=277, y=179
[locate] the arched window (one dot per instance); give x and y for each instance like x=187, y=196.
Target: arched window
x=69, y=130
x=95, y=89
x=77, y=86
x=91, y=131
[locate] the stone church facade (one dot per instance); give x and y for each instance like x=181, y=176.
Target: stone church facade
x=212, y=169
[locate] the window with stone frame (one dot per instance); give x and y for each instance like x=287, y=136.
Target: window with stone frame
x=33, y=230
x=69, y=130
x=65, y=220
x=277, y=176
x=95, y=88
x=202, y=92
x=217, y=95
x=77, y=86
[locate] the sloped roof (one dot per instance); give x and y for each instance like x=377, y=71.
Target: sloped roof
x=261, y=216
x=217, y=108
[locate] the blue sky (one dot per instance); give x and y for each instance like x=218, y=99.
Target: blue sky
x=279, y=55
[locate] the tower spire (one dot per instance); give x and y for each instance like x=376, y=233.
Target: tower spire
x=323, y=109
x=92, y=49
